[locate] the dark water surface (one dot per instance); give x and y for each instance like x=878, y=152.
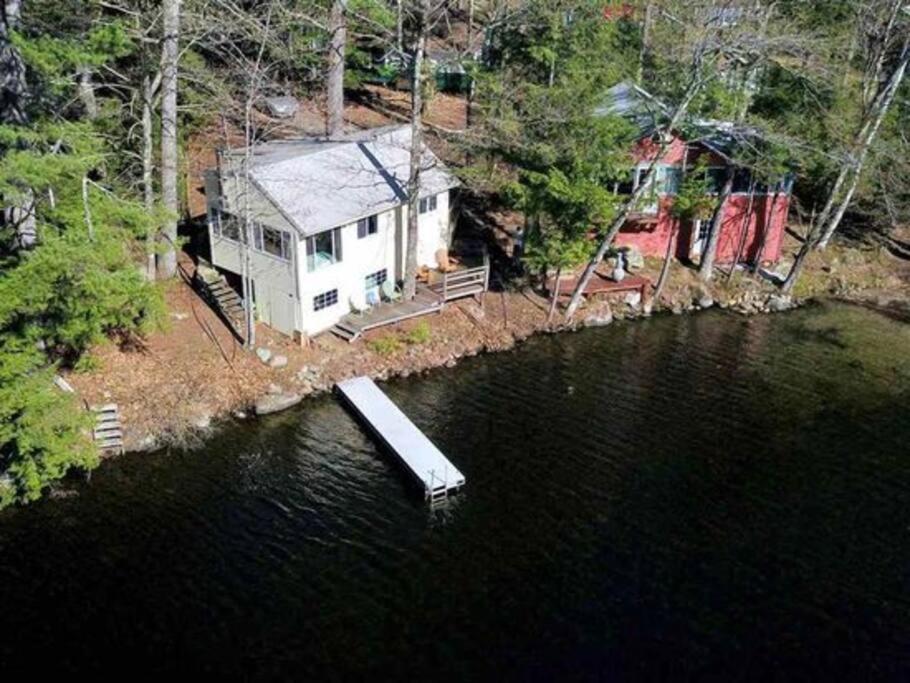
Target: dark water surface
x=700, y=497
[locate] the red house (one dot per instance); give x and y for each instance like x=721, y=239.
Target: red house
x=752, y=217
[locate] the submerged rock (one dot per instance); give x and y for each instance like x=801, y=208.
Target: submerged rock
x=275, y=403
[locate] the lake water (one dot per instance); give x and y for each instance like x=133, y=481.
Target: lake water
x=705, y=497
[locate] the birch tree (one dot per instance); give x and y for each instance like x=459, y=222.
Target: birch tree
x=167, y=258
x=335, y=76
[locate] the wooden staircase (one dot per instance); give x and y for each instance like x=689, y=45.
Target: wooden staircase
x=222, y=297
x=108, y=431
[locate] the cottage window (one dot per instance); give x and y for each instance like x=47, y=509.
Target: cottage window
x=323, y=249
x=374, y=280
x=276, y=243
x=427, y=204
x=215, y=220
x=367, y=226
x=231, y=228
x=326, y=299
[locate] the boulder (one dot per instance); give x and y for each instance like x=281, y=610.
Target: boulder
x=778, y=303
x=600, y=318
x=705, y=301
x=633, y=299
x=275, y=403
x=265, y=355
x=278, y=361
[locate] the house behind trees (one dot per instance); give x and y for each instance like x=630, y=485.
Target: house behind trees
x=760, y=208
x=327, y=222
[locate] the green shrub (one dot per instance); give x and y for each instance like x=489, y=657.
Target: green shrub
x=420, y=334
x=385, y=346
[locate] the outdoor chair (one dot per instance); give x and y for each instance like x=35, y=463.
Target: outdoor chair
x=356, y=308
x=389, y=291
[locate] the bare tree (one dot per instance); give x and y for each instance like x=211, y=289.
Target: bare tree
x=421, y=28
x=335, y=77
x=167, y=258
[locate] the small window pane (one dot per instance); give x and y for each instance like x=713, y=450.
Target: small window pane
x=367, y=226
x=376, y=279
x=324, y=300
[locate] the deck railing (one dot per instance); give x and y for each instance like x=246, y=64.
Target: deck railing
x=464, y=282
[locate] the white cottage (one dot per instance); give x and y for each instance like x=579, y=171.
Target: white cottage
x=329, y=222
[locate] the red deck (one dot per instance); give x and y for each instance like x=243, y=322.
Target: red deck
x=601, y=284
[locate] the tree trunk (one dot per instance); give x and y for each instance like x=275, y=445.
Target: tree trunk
x=554, y=294
x=706, y=267
x=878, y=111
x=645, y=42
x=13, y=87
x=666, y=138
x=668, y=257
x=399, y=27
x=167, y=257
x=148, y=167
x=335, y=82
x=86, y=92
x=410, y=269
x=744, y=230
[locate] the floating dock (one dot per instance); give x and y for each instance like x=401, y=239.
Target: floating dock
x=397, y=433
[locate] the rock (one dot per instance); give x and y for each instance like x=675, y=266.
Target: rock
x=634, y=258
x=633, y=299
x=147, y=443
x=239, y=414
x=203, y=421
x=177, y=315
x=777, y=303
x=265, y=355
x=275, y=389
x=598, y=319
x=278, y=361
x=705, y=301
x=274, y=403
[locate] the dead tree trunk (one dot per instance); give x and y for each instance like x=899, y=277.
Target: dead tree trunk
x=645, y=42
x=706, y=267
x=410, y=269
x=13, y=88
x=167, y=257
x=335, y=80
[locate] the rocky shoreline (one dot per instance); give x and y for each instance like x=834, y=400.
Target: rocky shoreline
x=319, y=378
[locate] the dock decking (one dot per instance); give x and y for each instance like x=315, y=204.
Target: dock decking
x=397, y=433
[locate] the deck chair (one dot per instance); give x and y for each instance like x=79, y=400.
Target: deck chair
x=356, y=308
x=389, y=291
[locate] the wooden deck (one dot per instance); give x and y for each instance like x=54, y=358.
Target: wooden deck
x=353, y=325
x=601, y=284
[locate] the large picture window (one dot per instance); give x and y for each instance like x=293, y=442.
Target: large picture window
x=323, y=249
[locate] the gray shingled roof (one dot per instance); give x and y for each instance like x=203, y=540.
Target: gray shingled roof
x=317, y=184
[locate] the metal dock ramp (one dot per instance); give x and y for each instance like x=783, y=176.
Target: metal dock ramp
x=398, y=434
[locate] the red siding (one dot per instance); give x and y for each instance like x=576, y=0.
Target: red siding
x=650, y=236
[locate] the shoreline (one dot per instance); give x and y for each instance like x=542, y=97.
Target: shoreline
x=593, y=315
x=175, y=389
